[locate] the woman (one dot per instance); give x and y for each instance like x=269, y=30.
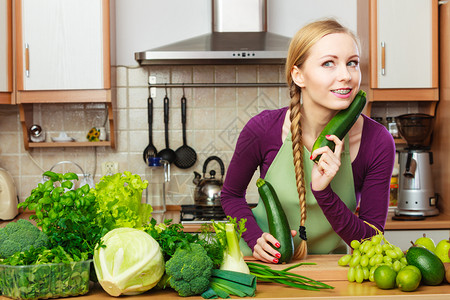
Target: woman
x=323, y=75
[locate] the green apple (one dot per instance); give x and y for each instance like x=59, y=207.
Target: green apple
x=442, y=250
x=426, y=242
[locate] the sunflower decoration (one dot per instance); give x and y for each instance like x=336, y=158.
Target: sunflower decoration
x=93, y=135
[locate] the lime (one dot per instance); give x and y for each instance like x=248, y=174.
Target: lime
x=414, y=268
x=408, y=279
x=384, y=277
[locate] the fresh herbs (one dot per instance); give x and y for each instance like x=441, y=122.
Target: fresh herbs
x=66, y=215
x=171, y=236
x=265, y=273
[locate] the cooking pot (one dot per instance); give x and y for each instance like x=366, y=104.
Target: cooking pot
x=207, y=190
x=8, y=196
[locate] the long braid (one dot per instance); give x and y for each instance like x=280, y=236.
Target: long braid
x=297, y=147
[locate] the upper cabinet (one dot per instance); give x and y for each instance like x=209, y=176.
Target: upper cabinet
x=400, y=43
x=6, y=77
x=62, y=55
x=62, y=46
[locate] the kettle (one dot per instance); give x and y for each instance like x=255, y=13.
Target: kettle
x=207, y=190
x=8, y=196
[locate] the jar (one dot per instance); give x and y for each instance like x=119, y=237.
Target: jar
x=102, y=136
x=37, y=135
x=392, y=127
x=158, y=176
x=393, y=191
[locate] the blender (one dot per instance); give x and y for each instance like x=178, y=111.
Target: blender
x=416, y=196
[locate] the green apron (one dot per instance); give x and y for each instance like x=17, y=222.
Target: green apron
x=321, y=238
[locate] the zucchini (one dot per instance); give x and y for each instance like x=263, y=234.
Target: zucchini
x=277, y=220
x=341, y=123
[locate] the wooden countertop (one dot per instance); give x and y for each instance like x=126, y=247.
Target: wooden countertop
x=326, y=270
x=441, y=221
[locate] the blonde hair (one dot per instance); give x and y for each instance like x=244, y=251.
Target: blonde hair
x=298, y=52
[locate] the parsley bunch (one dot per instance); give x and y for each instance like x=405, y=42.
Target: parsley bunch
x=68, y=217
x=171, y=236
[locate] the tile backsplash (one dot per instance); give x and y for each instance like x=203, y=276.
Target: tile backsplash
x=215, y=116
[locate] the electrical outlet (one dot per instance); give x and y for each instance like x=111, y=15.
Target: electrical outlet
x=110, y=168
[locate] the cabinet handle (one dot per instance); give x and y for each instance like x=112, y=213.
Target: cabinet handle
x=27, y=60
x=383, y=58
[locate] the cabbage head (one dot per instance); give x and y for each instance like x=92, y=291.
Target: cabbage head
x=130, y=264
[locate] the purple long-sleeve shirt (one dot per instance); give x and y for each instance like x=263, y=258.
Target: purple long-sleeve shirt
x=259, y=143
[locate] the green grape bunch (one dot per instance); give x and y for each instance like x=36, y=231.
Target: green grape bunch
x=370, y=253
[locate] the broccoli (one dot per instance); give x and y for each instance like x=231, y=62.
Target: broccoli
x=20, y=236
x=189, y=270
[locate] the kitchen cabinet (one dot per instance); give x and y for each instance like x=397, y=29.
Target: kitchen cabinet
x=441, y=135
x=62, y=51
x=60, y=45
x=399, y=51
x=6, y=77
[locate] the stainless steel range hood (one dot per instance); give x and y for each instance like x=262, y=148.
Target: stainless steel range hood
x=239, y=36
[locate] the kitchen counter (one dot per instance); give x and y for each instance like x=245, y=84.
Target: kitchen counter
x=441, y=221
x=326, y=270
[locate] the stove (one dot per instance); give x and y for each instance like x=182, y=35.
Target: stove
x=198, y=214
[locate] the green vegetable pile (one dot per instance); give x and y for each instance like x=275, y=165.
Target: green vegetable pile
x=73, y=222
x=76, y=219
x=132, y=253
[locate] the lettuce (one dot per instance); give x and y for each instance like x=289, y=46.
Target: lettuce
x=119, y=199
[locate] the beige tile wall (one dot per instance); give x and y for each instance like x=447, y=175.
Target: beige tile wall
x=214, y=119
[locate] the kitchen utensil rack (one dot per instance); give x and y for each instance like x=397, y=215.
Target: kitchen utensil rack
x=219, y=85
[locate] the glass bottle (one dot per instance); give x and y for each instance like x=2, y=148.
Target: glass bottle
x=393, y=191
x=158, y=175
x=392, y=127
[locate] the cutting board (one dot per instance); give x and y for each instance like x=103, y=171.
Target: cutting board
x=325, y=268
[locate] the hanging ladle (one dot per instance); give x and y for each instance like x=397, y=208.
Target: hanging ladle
x=150, y=150
x=167, y=154
x=185, y=155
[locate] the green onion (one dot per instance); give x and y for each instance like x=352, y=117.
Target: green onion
x=267, y=274
x=241, y=278
x=210, y=294
x=224, y=283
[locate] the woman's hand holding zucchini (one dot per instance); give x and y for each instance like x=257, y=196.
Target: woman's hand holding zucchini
x=328, y=165
x=265, y=248
x=327, y=149
x=281, y=236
